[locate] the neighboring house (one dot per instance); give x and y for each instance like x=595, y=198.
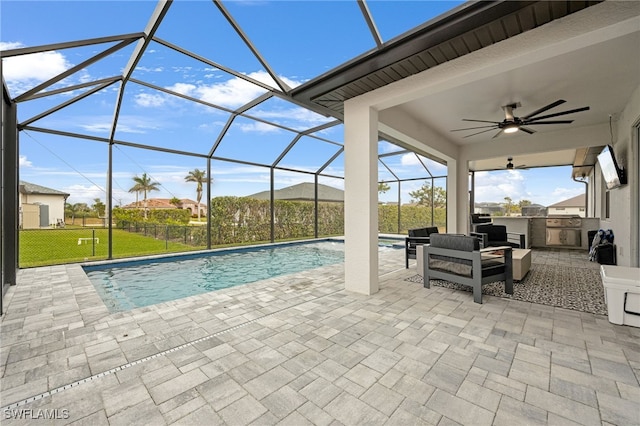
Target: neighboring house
x=165, y=203
x=573, y=207
x=489, y=208
x=303, y=192
x=40, y=207
x=534, y=210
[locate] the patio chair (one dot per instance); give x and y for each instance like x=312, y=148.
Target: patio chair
x=496, y=235
x=459, y=259
x=478, y=219
x=416, y=237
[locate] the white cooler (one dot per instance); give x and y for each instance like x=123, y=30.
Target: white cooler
x=622, y=294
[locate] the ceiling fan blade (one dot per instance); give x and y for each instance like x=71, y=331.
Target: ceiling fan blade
x=497, y=134
x=473, y=128
x=530, y=131
x=481, y=121
x=531, y=123
x=571, y=111
x=484, y=131
x=545, y=108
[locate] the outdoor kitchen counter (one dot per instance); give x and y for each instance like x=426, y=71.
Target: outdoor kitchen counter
x=535, y=228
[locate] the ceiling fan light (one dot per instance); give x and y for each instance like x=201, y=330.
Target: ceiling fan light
x=510, y=128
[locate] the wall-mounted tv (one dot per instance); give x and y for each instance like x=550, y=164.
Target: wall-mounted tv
x=613, y=175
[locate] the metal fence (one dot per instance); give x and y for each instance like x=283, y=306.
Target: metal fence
x=195, y=236
x=40, y=247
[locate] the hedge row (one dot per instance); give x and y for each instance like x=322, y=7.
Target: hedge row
x=237, y=220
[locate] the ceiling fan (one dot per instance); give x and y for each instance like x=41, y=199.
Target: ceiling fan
x=512, y=124
x=510, y=165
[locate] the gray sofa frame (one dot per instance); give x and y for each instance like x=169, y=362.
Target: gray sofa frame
x=417, y=236
x=482, y=271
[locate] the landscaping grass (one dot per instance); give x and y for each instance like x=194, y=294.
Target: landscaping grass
x=59, y=246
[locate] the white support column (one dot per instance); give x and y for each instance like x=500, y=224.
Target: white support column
x=452, y=198
x=462, y=212
x=361, y=198
x=463, y=215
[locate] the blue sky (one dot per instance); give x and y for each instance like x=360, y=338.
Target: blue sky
x=298, y=40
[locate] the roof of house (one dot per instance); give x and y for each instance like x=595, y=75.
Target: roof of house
x=577, y=201
x=32, y=188
x=160, y=203
x=303, y=191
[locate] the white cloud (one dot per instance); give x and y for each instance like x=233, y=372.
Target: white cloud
x=561, y=194
x=495, y=186
x=84, y=193
x=23, y=162
x=183, y=88
x=409, y=159
x=126, y=124
x=304, y=117
x=258, y=127
x=148, y=100
x=10, y=45
x=385, y=147
x=231, y=93
x=36, y=66
x=234, y=92
x=146, y=69
x=26, y=71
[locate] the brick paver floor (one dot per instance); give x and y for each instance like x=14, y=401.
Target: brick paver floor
x=301, y=350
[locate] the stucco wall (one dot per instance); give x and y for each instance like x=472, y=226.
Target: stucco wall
x=623, y=200
x=55, y=203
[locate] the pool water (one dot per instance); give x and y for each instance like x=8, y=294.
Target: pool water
x=128, y=285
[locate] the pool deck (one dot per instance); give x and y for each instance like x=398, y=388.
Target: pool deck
x=301, y=350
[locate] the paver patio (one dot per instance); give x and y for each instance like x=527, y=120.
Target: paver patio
x=301, y=350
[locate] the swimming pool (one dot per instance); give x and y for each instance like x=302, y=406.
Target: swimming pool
x=127, y=285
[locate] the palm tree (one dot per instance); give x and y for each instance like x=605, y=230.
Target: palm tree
x=136, y=188
x=144, y=185
x=71, y=210
x=199, y=177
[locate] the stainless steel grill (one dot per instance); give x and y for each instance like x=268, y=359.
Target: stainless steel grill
x=564, y=231
x=564, y=222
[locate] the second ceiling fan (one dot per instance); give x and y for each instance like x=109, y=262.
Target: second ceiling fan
x=512, y=124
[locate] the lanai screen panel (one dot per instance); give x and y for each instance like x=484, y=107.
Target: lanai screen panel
x=52, y=163
x=287, y=114
x=208, y=34
x=294, y=207
x=253, y=141
x=237, y=179
x=153, y=199
x=331, y=213
x=309, y=154
x=71, y=21
x=299, y=49
x=158, y=119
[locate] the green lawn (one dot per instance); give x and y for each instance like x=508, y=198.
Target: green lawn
x=58, y=246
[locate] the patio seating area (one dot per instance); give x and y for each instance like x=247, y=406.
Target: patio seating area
x=301, y=350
